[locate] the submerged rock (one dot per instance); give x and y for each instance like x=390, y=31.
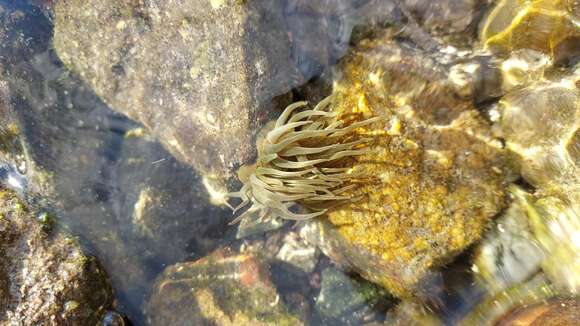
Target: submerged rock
x=509, y=253
x=220, y=289
x=541, y=123
x=45, y=278
x=555, y=312
x=200, y=75
x=549, y=26
x=432, y=179
x=446, y=17
x=538, y=118
x=347, y=300
x=534, y=302
x=407, y=173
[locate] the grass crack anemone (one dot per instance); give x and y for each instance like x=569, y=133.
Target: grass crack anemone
x=305, y=159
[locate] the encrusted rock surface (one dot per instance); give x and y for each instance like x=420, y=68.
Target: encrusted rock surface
x=45, y=279
x=434, y=175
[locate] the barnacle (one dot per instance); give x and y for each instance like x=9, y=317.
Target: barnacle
x=303, y=160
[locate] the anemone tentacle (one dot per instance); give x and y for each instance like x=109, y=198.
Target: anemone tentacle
x=304, y=160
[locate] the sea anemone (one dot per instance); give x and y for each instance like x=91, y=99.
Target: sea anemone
x=305, y=159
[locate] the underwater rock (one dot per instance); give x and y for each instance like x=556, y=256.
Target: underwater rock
x=512, y=275
x=540, y=124
x=177, y=68
x=298, y=253
x=408, y=173
x=344, y=300
x=548, y=26
x=412, y=313
x=555, y=223
x=163, y=203
x=509, y=253
x=220, y=289
x=432, y=179
x=445, y=17
x=538, y=118
x=555, y=312
x=45, y=278
x=505, y=306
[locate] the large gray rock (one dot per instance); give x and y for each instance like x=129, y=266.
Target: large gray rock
x=45, y=280
x=199, y=74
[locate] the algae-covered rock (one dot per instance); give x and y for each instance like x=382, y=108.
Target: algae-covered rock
x=549, y=26
x=199, y=74
x=432, y=179
x=45, y=279
x=220, y=289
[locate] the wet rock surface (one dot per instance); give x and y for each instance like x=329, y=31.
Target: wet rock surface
x=499, y=258
x=220, y=289
x=177, y=67
x=545, y=147
x=45, y=278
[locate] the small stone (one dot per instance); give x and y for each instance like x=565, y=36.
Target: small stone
x=342, y=296
x=217, y=290
x=298, y=253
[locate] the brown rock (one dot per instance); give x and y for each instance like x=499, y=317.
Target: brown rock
x=217, y=290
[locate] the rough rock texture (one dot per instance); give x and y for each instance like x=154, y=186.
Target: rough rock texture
x=434, y=176
x=177, y=67
x=217, y=290
x=200, y=74
x=45, y=279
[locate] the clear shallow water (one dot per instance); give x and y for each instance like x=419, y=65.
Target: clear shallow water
x=99, y=170
x=103, y=170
